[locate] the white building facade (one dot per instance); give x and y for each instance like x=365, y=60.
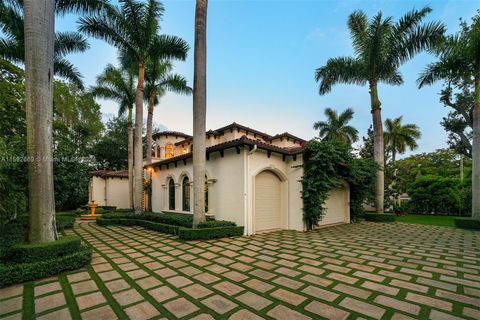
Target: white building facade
x=252, y=179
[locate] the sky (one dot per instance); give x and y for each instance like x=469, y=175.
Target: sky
x=261, y=59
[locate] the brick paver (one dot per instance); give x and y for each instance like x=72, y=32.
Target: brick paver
x=365, y=270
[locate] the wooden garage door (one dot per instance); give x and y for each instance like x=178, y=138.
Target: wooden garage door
x=336, y=207
x=267, y=201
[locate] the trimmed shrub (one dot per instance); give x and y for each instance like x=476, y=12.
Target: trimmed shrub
x=22, y=272
x=216, y=224
x=176, y=219
x=65, y=221
x=109, y=208
x=21, y=253
x=11, y=233
x=160, y=227
x=376, y=217
x=467, y=223
x=209, y=233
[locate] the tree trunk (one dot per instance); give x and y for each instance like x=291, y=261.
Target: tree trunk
x=130, y=156
x=378, y=147
x=199, y=111
x=476, y=151
x=151, y=100
x=39, y=53
x=137, y=148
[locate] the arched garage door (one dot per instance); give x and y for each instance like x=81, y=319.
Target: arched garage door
x=267, y=201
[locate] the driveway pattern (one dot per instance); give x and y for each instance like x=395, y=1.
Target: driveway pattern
x=358, y=271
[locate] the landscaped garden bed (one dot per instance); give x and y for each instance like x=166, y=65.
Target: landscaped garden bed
x=467, y=223
x=377, y=217
x=173, y=223
x=21, y=262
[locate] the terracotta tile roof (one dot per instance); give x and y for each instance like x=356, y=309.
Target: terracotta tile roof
x=243, y=141
x=190, y=139
x=171, y=133
x=235, y=125
x=110, y=173
x=286, y=135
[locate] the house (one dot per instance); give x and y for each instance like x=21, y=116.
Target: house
x=252, y=178
x=109, y=188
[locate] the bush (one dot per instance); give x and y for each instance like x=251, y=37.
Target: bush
x=435, y=194
x=65, y=221
x=21, y=253
x=108, y=208
x=176, y=219
x=22, y=272
x=11, y=233
x=376, y=217
x=160, y=227
x=209, y=233
x=467, y=223
x=216, y=224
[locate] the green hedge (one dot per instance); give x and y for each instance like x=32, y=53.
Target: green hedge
x=467, y=223
x=207, y=230
x=160, y=227
x=209, y=233
x=65, y=221
x=216, y=224
x=22, y=272
x=376, y=217
x=175, y=219
x=21, y=253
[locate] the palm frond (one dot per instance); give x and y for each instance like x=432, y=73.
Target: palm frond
x=68, y=71
x=167, y=47
x=176, y=83
x=357, y=23
x=345, y=70
x=70, y=42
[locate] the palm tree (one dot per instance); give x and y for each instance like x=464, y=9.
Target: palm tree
x=199, y=111
x=459, y=56
x=380, y=46
x=12, y=45
x=159, y=80
x=400, y=137
x=119, y=85
x=132, y=28
x=336, y=127
x=39, y=58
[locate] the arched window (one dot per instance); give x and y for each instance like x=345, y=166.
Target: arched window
x=171, y=195
x=185, y=194
x=158, y=151
x=169, y=151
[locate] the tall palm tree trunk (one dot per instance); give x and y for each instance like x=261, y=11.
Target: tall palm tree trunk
x=378, y=147
x=39, y=53
x=151, y=100
x=476, y=151
x=199, y=111
x=137, y=148
x=130, y=155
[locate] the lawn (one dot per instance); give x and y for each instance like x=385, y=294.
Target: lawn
x=446, y=221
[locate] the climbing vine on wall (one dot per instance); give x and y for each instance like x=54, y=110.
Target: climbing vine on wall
x=327, y=164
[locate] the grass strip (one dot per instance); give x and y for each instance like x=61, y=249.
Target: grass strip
x=69, y=297
x=107, y=294
x=28, y=308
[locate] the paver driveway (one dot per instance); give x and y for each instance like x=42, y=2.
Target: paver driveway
x=366, y=270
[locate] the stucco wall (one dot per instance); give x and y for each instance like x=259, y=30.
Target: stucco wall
x=338, y=202
x=225, y=183
x=116, y=190
x=97, y=190
x=232, y=199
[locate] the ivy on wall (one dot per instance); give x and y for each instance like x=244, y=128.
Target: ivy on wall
x=327, y=165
